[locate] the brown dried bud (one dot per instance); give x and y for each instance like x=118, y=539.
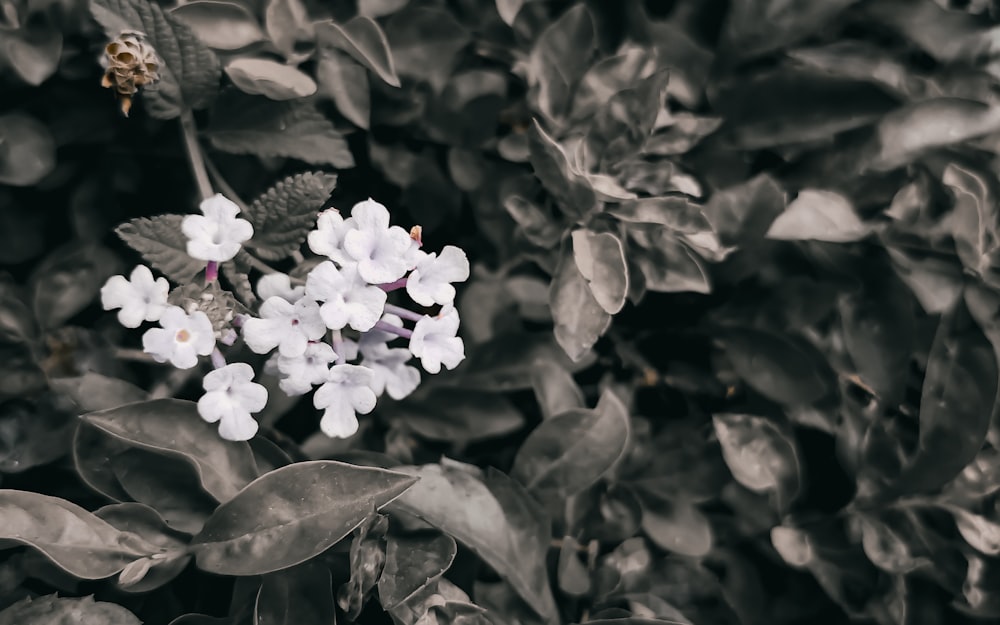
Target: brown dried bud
x=131, y=64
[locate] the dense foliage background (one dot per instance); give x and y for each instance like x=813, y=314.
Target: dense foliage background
x=732, y=329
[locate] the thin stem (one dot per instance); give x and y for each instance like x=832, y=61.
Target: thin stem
x=211, y=272
x=218, y=360
x=403, y=313
x=338, y=346
x=220, y=182
x=135, y=355
x=391, y=329
x=195, y=157
x=388, y=287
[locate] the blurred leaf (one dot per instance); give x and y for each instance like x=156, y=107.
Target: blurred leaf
x=552, y=165
x=947, y=35
x=571, y=451
x=283, y=215
x=189, y=72
x=173, y=428
x=22, y=232
x=162, y=244
x=66, y=611
x=299, y=595
x=32, y=51
x=300, y=510
x=220, y=24
x=538, y=227
x=68, y=280
x=380, y=8
x=673, y=211
x=677, y=526
x=346, y=83
x=92, y=454
x=761, y=456
x=887, y=548
x=579, y=318
x=362, y=38
x=743, y=213
x=424, y=41
x=27, y=150
x=498, y=364
x=555, y=389
x=413, y=564
x=793, y=545
x=67, y=535
x=785, y=370
x=935, y=282
x=600, y=258
x=667, y=265
x=467, y=111
x=981, y=533
x=458, y=415
x=974, y=218
x=559, y=58
x=287, y=23
x=93, y=391
x=461, y=505
x=756, y=27
x=33, y=433
x=270, y=79
x=860, y=60
x=292, y=129
x=624, y=123
x=817, y=215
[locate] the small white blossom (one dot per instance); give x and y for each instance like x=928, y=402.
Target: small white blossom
x=230, y=397
x=347, y=298
x=390, y=373
x=299, y=374
x=181, y=339
x=217, y=234
x=346, y=392
x=430, y=282
x=284, y=325
x=434, y=341
x=328, y=237
x=140, y=298
x=381, y=252
x=279, y=285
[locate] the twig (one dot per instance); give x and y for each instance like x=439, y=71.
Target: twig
x=190, y=133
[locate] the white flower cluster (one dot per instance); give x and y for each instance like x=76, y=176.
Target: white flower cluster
x=368, y=259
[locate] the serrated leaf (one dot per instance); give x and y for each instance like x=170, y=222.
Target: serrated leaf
x=363, y=39
x=189, y=73
x=284, y=214
x=161, y=243
x=267, y=128
x=55, y=610
x=273, y=80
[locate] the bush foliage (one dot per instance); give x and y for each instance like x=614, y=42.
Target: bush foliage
x=732, y=328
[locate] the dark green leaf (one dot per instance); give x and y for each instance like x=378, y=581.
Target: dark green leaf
x=743, y=213
x=600, y=258
x=760, y=454
x=168, y=486
x=93, y=391
x=673, y=211
x=816, y=215
x=412, y=564
x=498, y=365
x=781, y=368
x=296, y=596
x=574, y=579
x=974, y=219
x=667, y=265
x=622, y=125
x=458, y=415
x=559, y=59
x=569, y=186
x=220, y=24
x=424, y=42
x=142, y=520
x=362, y=38
x=68, y=280
x=538, y=227
x=677, y=526
x=31, y=50
x=756, y=27
x=947, y=35
x=579, y=318
x=555, y=389
x=292, y=514
x=189, y=72
x=66, y=611
x=285, y=213
x=27, y=150
x=346, y=83
x=162, y=244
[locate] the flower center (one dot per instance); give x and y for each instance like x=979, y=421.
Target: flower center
x=182, y=336
x=295, y=322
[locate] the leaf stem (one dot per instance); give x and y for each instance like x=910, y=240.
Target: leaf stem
x=226, y=188
x=195, y=157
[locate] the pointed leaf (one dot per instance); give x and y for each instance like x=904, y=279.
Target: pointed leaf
x=817, y=215
x=292, y=514
x=363, y=39
x=285, y=213
x=161, y=243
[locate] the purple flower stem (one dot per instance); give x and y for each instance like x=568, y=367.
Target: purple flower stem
x=338, y=346
x=211, y=272
x=218, y=360
x=388, y=287
x=391, y=329
x=403, y=313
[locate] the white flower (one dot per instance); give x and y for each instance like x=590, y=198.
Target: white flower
x=284, y=325
x=300, y=373
x=217, y=234
x=279, y=285
x=230, y=397
x=381, y=252
x=140, y=298
x=181, y=339
x=430, y=282
x=390, y=373
x=434, y=341
x=346, y=392
x=348, y=299
x=328, y=237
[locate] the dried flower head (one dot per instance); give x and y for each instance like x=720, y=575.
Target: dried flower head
x=130, y=64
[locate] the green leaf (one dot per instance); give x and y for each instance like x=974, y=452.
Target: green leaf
x=947, y=35
x=73, y=539
x=458, y=415
x=600, y=259
x=559, y=58
x=285, y=213
x=425, y=41
x=296, y=596
x=626, y=121
x=292, y=514
x=189, y=72
x=667, y=265
x=579, y=318
x=66, y=611
x=571, y=451
x=760, y=455
x=27, y=150
x=220, y=24
x=68, y=280
x=380, y=8
x=756, y=27
x=574, y=579
x=346, y=83
x=497, y=522
x=498, y=364
x=173, y=428
x=538, y=227
x=677, y=526
x=270, y=79
x=412, y=564
x=676, y=212
x=162, y=244
x=785, y=370
x=167, y=485
x=93, y=391
x=744, y=212
x=92, y=454
x=817, y=215
x=566, y=183
x=555, y=389
x=362, y=38
x=266, y=128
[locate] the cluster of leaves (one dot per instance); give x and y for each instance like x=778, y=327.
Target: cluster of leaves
x=732, y=330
